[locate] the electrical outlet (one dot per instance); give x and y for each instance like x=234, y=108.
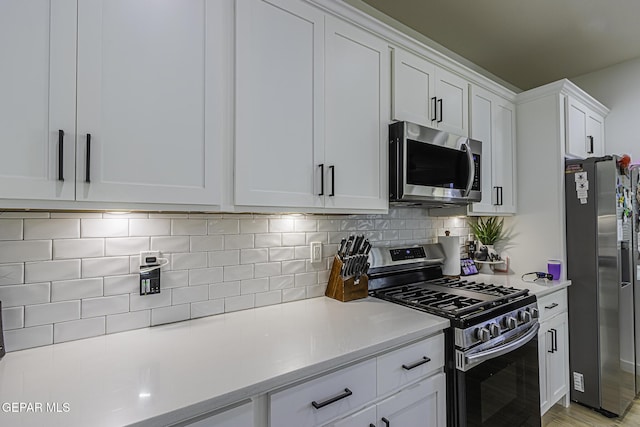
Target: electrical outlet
x=148, y=258
x=316, y=251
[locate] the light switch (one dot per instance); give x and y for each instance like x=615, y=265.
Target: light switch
x=316, y=251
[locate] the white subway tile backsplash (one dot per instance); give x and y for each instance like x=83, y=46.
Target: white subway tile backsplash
x=222, y=258
x=145, y=302
x=76, y=289
x=182, y=261
x=238, y=272
x=128, y=321
x=252, y=256
x=19, y=339
x=238, y=241
x=37, y=293
x=238, y=303
x=78, y=248
x=171, y=314
x=224, y=289
x=104, y=227
x=12, y=318
x=85, y=265
x=116, y=285
x=92, y=307
x=267, y=240
x=126, y=245
x=24, y=250
x=205, y=276
x=188, y=227
x=78, y=329
x=169, y=244
x=42, y=271
x=224, y=226
x=149, y=227
x=206, y=243
x=207, y=308
x=189, y=294
x=293, y=294
x=37, y=229
x=268, y=269
x=54, y=312
x=10, y=229
x=252, y=286
x=268, y=298
x=11, y=274
x=110, y=266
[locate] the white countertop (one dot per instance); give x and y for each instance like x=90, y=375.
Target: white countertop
x=539, y=288
x=171, y=372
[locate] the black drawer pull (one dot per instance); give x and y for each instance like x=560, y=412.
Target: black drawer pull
x=321, y=166
x=422, y=361
x=549, y=307
x=87, y=177
x=386, y=422
x=60, y=155
x=346, y=393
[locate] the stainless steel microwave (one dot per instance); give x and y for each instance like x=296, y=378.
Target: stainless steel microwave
x=431, y=167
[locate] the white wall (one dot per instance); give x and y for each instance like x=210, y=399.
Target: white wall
x=618, y=87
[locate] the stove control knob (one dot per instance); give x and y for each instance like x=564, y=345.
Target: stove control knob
x=511, y=322
x=535, y=313
x=494, y=329
x=525, y=316
x=483, y=334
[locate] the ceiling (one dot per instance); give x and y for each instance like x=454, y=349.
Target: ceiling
x=526, y=43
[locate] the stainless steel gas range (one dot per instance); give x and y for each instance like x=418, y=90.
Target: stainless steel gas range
x=491, y=348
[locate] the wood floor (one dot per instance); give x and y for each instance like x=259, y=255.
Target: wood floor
x=579, y=416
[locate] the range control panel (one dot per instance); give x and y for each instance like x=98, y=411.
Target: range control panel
x=407, y=253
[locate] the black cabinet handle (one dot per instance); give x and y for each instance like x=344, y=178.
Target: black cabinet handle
x=590, y=138
x=500, y=200
x=549, y=307
x=321, y=165
x=497, y=202
x=87, y=177
x=341, y=396
x=440, y=103
x=422, y=361
x=60, y=155
x=434, y=116
x=550, y=331
x=333, y=181
x=554, y=346
x=386, y=422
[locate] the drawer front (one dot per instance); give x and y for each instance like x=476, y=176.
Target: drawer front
x=334, y=395
x=406, y=364
x=552, y=304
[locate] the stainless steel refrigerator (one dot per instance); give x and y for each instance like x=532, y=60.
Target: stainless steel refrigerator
x=635, y=259
x=601, y=297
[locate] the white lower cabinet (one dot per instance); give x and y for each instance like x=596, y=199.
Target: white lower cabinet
x=240, y=416
x=404, y=387
x=553, y=350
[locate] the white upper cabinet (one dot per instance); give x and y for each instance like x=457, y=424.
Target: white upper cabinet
x=146, y=90
x=357, y=107
x=279, y=104
x=429, y=95
x=312, y=108
x=585, y=130
x=37, y=99
x=493, y=123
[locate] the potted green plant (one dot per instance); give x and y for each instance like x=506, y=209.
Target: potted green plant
x=488, y=230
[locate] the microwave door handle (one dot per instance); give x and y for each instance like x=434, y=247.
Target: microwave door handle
x=472, y=169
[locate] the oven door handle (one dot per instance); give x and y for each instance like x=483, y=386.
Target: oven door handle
x=472, y=168
x=480, y=357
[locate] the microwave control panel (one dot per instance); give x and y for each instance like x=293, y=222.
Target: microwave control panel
x=476, y=177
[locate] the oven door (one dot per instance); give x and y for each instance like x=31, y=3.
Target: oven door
x=501, y=388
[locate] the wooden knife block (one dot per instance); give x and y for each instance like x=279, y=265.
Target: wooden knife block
x=345, y=289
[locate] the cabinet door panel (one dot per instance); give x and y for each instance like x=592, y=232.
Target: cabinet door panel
x=576, y=129
x=557, y=368
x=453, y=114
x=357, y=101
x=543, y=347
x=279, y=111
x=595, y=129
x=37, y=98
x=413, y=88
x=362, y=418
x=482, y=121
x=146, y=96
x=422, y=405
x=503, y=155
